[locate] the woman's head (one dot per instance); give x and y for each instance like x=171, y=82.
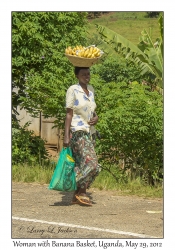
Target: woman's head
x=83, y=74
x=77, y=69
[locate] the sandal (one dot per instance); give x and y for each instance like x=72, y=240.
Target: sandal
x=74, y=199
x=83, y=199
x=75, y=202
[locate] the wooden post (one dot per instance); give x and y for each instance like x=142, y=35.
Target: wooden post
x=40, y=122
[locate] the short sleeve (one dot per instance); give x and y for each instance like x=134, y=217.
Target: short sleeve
x=91, y=88
x=70, y=98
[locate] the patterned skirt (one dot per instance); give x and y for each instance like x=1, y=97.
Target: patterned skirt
x=86, y=162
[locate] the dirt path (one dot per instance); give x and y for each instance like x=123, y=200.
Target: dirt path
x=41, y=213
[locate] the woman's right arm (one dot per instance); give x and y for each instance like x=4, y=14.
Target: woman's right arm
x=69, y=114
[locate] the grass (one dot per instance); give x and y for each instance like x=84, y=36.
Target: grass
x=26, y=173
x=104, y=181
x=128, y=24
x=135, y=187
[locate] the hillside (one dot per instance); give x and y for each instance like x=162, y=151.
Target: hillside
x=128, y=24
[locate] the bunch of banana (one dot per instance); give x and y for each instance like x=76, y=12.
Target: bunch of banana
x=73, y=51
x=86, y=52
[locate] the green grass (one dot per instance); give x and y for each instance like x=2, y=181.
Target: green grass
x=128, y=24
x=104, y=181
x=26, y=173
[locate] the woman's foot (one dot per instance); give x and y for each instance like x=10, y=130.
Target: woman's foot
x=74, y=199
x=83, y=199
x=75, y=202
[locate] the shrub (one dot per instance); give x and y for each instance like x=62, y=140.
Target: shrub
x=117, y=70
x=152, y=14
x=131, y=124
x=26, y=147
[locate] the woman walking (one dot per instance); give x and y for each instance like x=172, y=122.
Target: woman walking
x=80, y=116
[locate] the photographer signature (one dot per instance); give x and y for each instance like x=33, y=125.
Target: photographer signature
x=50, y=229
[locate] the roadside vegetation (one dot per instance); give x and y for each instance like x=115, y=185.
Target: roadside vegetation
x=128, y=83
x=124, y=186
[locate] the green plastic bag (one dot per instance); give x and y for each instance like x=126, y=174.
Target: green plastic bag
x=63, y=178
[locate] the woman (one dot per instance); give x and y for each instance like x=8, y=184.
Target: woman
x=80, y=116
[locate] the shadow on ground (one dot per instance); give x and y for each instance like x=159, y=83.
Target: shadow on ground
x=67, y=198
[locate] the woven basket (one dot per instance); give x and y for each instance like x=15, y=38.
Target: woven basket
x=81, y=61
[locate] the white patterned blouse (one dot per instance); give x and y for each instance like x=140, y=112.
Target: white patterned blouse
x=83, y=107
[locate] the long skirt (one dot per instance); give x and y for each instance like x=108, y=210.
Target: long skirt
x=86, y=162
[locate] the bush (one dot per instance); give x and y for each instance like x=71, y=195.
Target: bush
x=40, y=70
x=118, y=70
x=152, y=14
x=131, y=124
x=26, y=147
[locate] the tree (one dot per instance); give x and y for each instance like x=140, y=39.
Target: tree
x=131, y=125
x=40, y=71
x=148, y=56
x=117, y=69
x=152, y=14
x=93, y=15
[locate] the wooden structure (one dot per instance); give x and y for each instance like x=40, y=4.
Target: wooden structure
x=43, y=127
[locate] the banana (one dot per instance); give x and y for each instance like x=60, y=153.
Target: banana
x=79, y=50
x=86, y=53
x=91, y=49
x=69, y=51
x=66, y=51
x=89, y=54
x=98, y=54
x=79, y=54
x=82, y=53
x=73, y=52
x=94, y=50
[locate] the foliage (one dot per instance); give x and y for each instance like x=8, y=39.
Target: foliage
x=131, y=124
x=26, y=147
x=95, y=14
x=116, y=69
x=152, y=14
x=122, y=185
x=104, y=181
x=33, y=172
x=130, y=115
x=40, y=71
x=148, y=56
x=129, y=24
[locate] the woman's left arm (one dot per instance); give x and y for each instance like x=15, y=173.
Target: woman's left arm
x=94, y=119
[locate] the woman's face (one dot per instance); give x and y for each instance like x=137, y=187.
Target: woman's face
x=84, y=76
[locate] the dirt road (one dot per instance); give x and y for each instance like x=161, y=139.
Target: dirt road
x=41, y=213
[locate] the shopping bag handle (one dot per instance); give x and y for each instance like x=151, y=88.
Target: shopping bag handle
x=68, y=150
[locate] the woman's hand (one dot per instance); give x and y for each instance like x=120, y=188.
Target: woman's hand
x=66, y=141
x=93, y=120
